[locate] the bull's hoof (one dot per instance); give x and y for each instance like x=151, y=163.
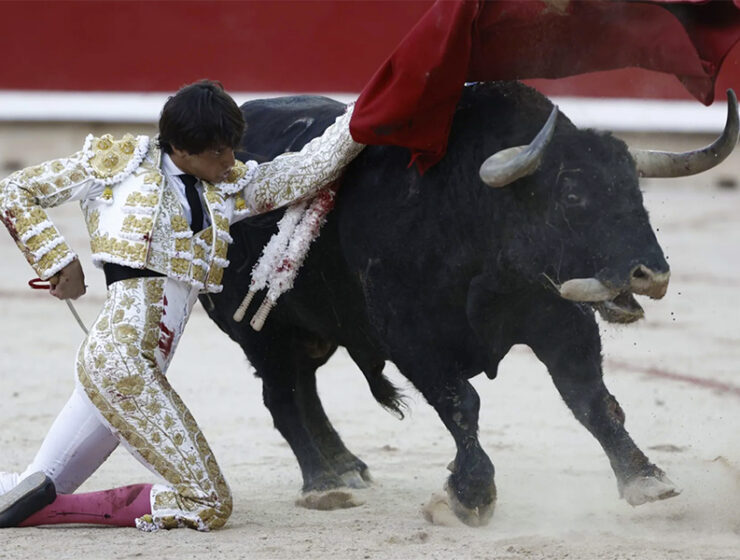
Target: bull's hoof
x=448, y=511
x=357, y=478
x=437, y=511
x=324, y=482
x=645, y=489
x=472, y=517
x=329, y=500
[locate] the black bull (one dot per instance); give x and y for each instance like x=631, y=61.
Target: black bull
x=442, y=275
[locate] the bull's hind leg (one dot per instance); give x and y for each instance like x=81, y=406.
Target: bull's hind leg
x=353, y=472
x=289, y=392
x=568, y=342
x=279, y=367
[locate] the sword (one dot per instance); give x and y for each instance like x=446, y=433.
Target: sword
x=38, y=284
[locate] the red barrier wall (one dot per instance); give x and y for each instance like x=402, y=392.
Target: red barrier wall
x=251, y=46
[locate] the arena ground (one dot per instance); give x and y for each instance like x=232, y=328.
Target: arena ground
x=675, y=374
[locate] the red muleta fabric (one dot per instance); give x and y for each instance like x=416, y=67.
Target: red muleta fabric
x=411, y=99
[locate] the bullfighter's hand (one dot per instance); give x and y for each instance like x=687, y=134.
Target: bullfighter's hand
x=68, y=283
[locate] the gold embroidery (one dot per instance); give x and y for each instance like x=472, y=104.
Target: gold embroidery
x=125, y=333
x=130, y=251
x=27, y=220
x=182, y=244
x=44, y=188
x=105, y=142
x=236, y=173
x=52, y=258
x=137, y=401
x=141, y=199
x=179, y=266
x=111, y=156
x=213, y=196
x=136, y=224
x=131, y=385
x=221, y=248
x=127, y=145
x=199, y=273
x=93, y=221
x=222, y=223
x=38, y=241
x=179, y=223
x=76, y=176
x=295, y=175
x=153, y=177
x=33, y=172
x=61, y=182
x=215, y=276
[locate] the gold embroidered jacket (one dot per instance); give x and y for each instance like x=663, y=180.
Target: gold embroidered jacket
x=135, y=219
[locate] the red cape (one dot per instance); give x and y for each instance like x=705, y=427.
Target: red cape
x=411, y=99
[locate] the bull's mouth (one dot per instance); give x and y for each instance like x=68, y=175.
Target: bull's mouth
x=616, y=304
x=621, y=309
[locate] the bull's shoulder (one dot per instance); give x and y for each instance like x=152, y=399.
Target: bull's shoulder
x=290, y=104
x=285, y=124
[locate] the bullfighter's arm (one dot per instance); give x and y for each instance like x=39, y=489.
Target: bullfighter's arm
x=294, y=176
x=26, y=193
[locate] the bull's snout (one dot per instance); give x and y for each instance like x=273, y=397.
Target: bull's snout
x=647, y=282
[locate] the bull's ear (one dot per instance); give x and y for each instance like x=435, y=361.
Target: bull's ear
x=652, y=163
x=506, y=166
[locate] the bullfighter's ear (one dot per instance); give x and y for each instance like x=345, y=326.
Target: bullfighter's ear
x=507, y=165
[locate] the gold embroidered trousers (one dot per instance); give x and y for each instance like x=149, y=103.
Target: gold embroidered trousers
x=121, y=367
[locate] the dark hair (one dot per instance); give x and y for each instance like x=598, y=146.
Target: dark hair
x=201, y=116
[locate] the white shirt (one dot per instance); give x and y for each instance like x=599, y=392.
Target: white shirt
x=171, y=173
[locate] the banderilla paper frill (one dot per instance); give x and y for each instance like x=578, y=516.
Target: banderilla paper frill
x=284, y=254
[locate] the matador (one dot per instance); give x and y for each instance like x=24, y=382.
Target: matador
x=158, y=212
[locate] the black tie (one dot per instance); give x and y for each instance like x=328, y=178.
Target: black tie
x=196, y=206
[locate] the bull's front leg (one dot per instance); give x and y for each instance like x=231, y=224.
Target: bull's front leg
x=471, y=491
x=568, y=343
x=471, y=485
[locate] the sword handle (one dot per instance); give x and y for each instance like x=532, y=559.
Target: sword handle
x=38, y=284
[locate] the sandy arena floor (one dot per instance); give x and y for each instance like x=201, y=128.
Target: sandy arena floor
x=675, y=373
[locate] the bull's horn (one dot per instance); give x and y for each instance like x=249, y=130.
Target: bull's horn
x=585, y=289
x=508, y=165
x=652, y=163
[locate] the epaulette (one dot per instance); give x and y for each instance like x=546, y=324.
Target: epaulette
x=110, y=160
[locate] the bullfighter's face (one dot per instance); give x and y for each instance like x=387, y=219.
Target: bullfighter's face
x=211, y=165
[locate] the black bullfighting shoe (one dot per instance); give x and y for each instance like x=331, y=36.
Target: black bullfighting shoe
x=30, y=495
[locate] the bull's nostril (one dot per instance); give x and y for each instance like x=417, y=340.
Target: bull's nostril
x=647, y=282
x=639, y=273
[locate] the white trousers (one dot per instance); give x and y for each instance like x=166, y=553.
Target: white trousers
x=122, y=396
x=77, y=443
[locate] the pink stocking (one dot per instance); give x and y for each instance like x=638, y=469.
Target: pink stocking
x=119, y=507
